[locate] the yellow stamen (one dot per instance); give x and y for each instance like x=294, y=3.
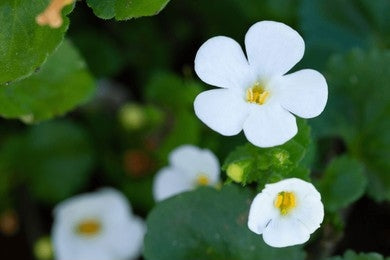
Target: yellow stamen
x=202, y=180
x=88, y=227
x=257, y=94
x=285, y=202
x=52, y=15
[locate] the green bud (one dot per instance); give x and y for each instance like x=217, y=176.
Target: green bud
x=282, y=157
x=43, y=249
x=235, y=172
x=132, y=116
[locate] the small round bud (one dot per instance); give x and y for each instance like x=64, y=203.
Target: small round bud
x=43, y=249
x=235, y=172
x=132, y=116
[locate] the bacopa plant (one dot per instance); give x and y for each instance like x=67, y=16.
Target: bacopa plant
x=114, y=147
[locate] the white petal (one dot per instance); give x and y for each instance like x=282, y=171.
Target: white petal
x=303, y=93
x=273, y=48
x=93, y=204
x=269, y=125
x=125, y=240
x=310, y=211
x=168, y=182
x=222, y=110
x=262, y=211
x=194, y=161
x=95, y=253
x=221, y=62
x=107, y=206
x=68, y=245
x=285, y=231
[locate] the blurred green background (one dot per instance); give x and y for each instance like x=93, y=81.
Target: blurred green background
x=136, y=85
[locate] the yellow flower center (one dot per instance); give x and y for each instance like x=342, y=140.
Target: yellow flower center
x=285, y=202
x=202, y=180
x=257, y=94
x=89, y=227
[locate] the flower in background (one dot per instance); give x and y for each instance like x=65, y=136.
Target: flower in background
x=189, y=167
x=286, y=212
x=256, y=96
x=97, y=226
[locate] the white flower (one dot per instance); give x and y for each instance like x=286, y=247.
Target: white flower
x=256, y=96
x=97, y=226
x=286, y=212
x=189, y=167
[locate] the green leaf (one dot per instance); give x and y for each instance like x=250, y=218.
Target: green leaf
x=266, y=165
x=25, y=45
x=343, y=183
x=126, y=9
x=331, y=26
x=358, y=111
x=58, y=159
x=208, y=224
x=62, y=83
x=351, y=255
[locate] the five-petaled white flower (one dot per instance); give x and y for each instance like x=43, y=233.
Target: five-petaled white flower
x=97, y=226
x=189, y=167
x=286, y=212
x=256, y=95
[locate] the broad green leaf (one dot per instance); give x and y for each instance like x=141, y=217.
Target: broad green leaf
x=25, y=45
x=359, y=110
x=126, y=9
x=343, y=183
x=331, y=26
x=351, y=255
x=58, y=158
x=208, y=224
x=265, y=165
x=62, y=83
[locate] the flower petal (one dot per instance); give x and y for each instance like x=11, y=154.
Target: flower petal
x=310, y=212
x=221, y=62
x=269, y=125
x=273, y=48
x=125, y=241
x=193, y=161
x=222, y=110
x=168, y=182
x=285, y=231
x=303, y=93
x=262, y=211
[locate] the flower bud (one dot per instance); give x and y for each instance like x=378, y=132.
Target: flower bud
x=43, y=249
x=132, y=116
x=235, y=171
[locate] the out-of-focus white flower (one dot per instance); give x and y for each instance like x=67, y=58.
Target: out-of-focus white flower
x=256, y=95
x=189, y=167
x=97, y=226
x=286, y=212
